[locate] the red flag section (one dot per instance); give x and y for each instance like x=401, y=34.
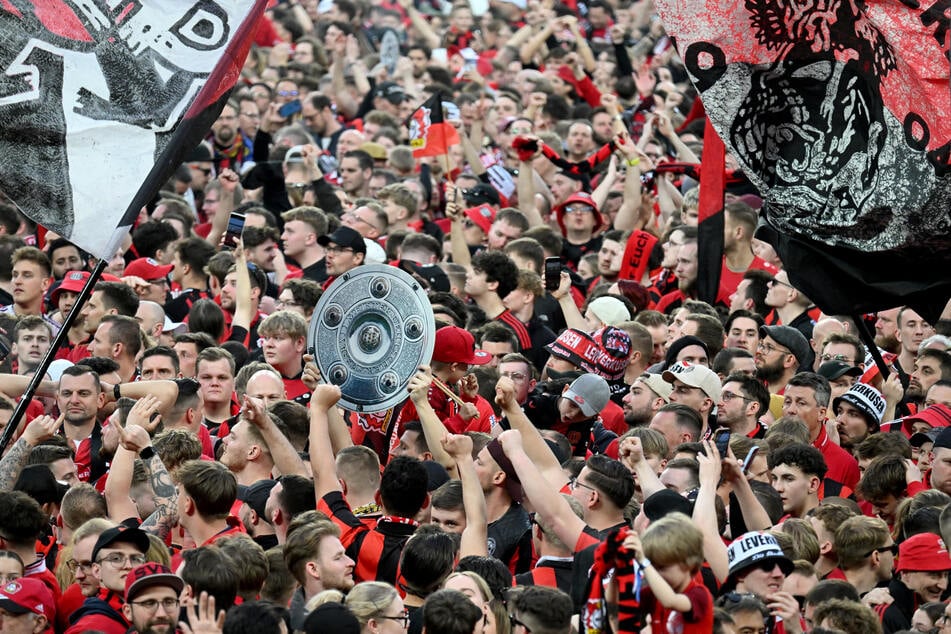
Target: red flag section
x=841, y=117
x=711, y=221
x=429, y=134
x=100, y=104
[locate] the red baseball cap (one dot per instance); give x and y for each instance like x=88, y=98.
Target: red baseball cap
x=457, y=345
x=149, y=575
x=148, y=269
x=28, y=595
x=923, y=552
x=73, y=282
x=482, y=215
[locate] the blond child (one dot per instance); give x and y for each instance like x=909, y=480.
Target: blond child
x=669, y=557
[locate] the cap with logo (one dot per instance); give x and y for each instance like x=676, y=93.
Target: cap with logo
x=577, y=347
x=73, y=282
x=481, y=215
x=866, y=399
x=25, y=595
x=589, y=392
x=695, y=376
x=924, y=552
x=148, y=269
x=752, y=549
x=149, y=575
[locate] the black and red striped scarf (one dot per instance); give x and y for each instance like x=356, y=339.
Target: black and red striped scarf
x=612, y=561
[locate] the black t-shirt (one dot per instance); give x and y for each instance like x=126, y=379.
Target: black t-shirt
x=572, y=253
x=510, y=539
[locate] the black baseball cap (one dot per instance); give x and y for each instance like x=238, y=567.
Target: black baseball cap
x=344, y=237
x=122, y=534
x=256, y=495
x=832, y=370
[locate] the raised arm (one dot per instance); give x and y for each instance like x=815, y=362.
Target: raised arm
x=119, y=482
x=39, y=429
x=165, y=515
x=475, y=535
x=457, y=239
x=666, y=129
x=161, y=394
x=322, y=460
x=423, y=30
x=631, y=454
x=573, y=316
x=635, y=161
x=433, y=429
x=229, y=182
x=754, y=515
x=705, y=512
x=242, y=297
x=544, y=498
x=531, y=440
x=285, y=457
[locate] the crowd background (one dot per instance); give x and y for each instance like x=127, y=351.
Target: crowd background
x=611, y=453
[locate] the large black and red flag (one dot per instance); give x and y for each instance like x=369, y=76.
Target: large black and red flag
x=101, y=99
x=840, y=114
x=429, y=134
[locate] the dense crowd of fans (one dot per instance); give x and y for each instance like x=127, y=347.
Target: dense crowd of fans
x=592, y=447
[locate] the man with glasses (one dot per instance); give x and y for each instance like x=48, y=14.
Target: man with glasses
x=371, y=222
x=581, y=224
x=743, y=400
x=759, y=567
x=155, y=276
x=781, y=351
x=152, y=599
x=345, y=249
x=117, y=552
x=840, y=346
x=697, y=387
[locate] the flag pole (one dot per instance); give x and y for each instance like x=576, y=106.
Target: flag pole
x=57, y=342
x=869, y=342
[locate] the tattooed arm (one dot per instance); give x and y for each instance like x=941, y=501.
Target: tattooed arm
x=39, y=429
x=165, y=516
x=160, y=522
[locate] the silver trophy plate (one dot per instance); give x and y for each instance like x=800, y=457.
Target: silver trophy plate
x=371, y=329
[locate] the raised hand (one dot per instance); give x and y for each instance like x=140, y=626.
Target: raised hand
x=133, y=438
x=419, y=385
x=205, y=620
x=325, y=396
x=144, y=413
x=459, y=446
x=42, y=428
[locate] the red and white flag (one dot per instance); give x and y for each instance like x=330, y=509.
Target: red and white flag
x=429, y=134
x=100, y=100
